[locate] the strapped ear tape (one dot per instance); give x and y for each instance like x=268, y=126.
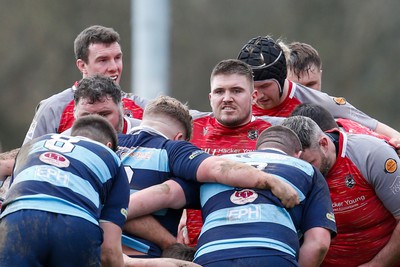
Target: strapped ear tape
x=267, y=60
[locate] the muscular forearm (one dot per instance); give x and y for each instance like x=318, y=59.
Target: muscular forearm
x=166, y=195
x=232, y=173
x=150, y=229
x=9, y=154
x=7, y=160
x=111, y=251
x=386, y=130
x=220, y=170
x=314, y=248
x=6, y=167
x=162, y=262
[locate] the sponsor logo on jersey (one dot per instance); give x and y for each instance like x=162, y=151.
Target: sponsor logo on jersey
x=243, y=196
x=252, y=134
x=124, y=212
x=54, y=159
x=390, y=165
x=330, y=216
x=349, y=204
x=395, y=187
x=247, y=213
x=339, y=100
x=196, y=153
x=349, y=180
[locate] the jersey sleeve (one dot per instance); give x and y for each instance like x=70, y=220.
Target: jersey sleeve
x=140, y=101
x=48, y=114
x=378, y=162
x=185, y=159
x=318, y=210
x=191, y=190
x=337, y=106
x=272, y=119
x=115, y=208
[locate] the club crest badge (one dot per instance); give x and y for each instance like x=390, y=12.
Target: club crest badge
x=349, y=180
x=252, y=134
x=243, y=196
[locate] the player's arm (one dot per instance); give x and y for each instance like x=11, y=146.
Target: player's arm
x=160, y=262
x=166, y=195
x=7, y=160
x=6, y=166
x=150, y=229
x=111, y=250
x=182, y=236
x=315, y=246
x=44, y=121
x=386, y=130
x=394, y=135
x=382, y=172
x=220, y=170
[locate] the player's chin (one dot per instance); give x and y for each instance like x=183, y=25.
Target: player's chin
x=230, y=121
x=265, y=104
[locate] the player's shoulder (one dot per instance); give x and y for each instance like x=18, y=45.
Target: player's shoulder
x=272, y=120
x=361, y=137
x=196, y=114
x=69, y=92
x=363, y=148
x=138, y=100
x=60, y=99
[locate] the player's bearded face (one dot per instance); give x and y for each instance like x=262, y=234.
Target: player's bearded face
x=231, y=99
x=106, y=108
x=318, y=159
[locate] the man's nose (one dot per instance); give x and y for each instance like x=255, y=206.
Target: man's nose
x=227, y=97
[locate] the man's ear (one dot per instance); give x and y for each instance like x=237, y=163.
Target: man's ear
x=254, y=96
x=81, y=65
x=109, y=145
x=298, y=154
x=323, y=143
x=179, y=136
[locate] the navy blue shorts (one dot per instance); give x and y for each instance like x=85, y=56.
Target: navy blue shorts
x=38, y=238
x=268, y=261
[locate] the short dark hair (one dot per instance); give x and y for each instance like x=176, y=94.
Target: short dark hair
x=306, y=129
x=302, y=57
x=93, y=35
x=317, y=113
x=179, y=251
x=233, y=66
x=95, y=88
x=172, y=108
x=279, y=137
x=96, y=128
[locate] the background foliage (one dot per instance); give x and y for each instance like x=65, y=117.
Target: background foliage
x=358, y=42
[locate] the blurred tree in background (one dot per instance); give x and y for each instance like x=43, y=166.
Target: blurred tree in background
x=357, y=40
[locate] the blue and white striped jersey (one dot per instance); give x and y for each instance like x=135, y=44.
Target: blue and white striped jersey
x=241, y=223
x=69, y=175
x=150, y=159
